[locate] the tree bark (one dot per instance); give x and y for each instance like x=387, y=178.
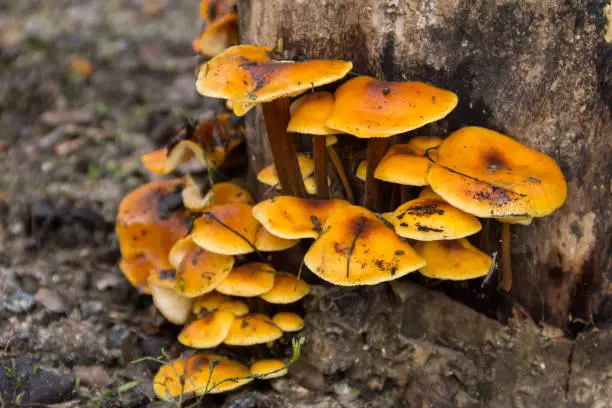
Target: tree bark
x=537, y=71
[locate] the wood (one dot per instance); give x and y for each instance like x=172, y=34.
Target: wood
x=318, y=144
x=282, y=145
x=377, y=148
x=506, y=283
x=502, y=60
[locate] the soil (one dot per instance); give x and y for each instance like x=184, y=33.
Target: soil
x=71, y=326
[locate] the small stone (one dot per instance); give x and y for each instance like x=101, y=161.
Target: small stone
x=115, y=336
x=108, y=281
x=94, y=376
x=51, y=139
x=68, y=147
x=52, y=301
x=62, y=117
x=18, y=302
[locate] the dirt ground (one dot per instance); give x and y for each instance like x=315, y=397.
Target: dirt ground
x=71, y=325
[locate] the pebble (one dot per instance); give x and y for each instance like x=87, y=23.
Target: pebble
x=18, y=302
x=52, y=300
x=94, y=376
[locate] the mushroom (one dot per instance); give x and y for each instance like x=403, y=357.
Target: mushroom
x=406, y=164
x=219, y=29
x=149, y=221
x=200, y=374
x=490, y=175
x=362, y=169
x=308, y=116
x=251, y=329
x=213, y=301
x=267, y=369
x=287, y=289
x=175, y=307
x=295, y=218
x=265, y=241
x=209, y=330
x=269, y=176
x=453, y=259
x=357, y=248
x=427, y=192
x=429, y=219
x=288, y=322
x=369, y=108
x=248, y=73
x=220, y=193
x=248, y=280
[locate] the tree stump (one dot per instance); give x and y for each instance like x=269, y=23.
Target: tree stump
x=537, y=71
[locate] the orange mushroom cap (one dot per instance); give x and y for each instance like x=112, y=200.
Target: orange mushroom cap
x=220, y=193
x=214, y=301
x=295, y=218
x=287, y=289
x=427, y=192
x=148, y=224
x=175, y=307
x=288, y=322
x=362, y=169
x=228, y=229
x=515, y=220
x=248, y=73
x=265, y=241
x=248, y=280
x=217, y=36
x=267, y=369
x=309, y=113
x=453, y=259
x=252, y=329
x=268, y=174
x=211, y=10
x=366, y=107
x=208, y=330
x=357, y=248
x=192, y=376
x=403, y=165
x=488, y=174
x=430, y=219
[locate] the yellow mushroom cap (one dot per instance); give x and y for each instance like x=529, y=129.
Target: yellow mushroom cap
x=268, y=242
x=453, y=259
x=252, y=329
x=218, y=35
x=488, y=174
x=192, y=376
x=220, y=193
x=268, y=368
x=362, y=169
x=427, y=192
x=268, y=174
x=426, y=219
x=248, y=73
x=207, y=331
x=240, y=108
x=288, y=322
x=138, y=268
x=248, y=280
x=309, y=113
x=295, y=218
x=287, y=289
x=213, y=301
x=515, y=220
x=388, y=216
x=357, y=248
x=311, y=185
x=171, y=304
x=198, y=271
x=403, y=165
x=366, y=107
x=228, y=229
x=420, y=144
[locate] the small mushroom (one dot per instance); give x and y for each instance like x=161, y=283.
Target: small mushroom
x=287, y=289
x=362, y=170
x=214, y=301
x=252, y=329
x=453, y=260
x=267, y=369
x=269, y=176
x=288, y=322
x=248, y=280
x=265, y=241
x=406, y=164
x=220, y=193
x=357, y=248
x=295, y=218
x=427, y=192
x=209, y=330
x=175, y=307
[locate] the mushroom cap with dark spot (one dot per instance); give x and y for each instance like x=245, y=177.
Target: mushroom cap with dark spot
x=208, y=331
x=253, y=328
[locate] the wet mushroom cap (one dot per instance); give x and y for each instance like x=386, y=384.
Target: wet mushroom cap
x=427, y=219
x=218, y=36
x=488, y=174
x=228, y=229
x=453, y=259
x=265, y=241
x=295, y=218
x=427, y=192
x=366, y=107
x=248, y=280
x=357, y=248
x=268, y=174
x=213, y=301
x=198, y=271
x=309, y=113
x=209, y=330
x=420, y=144
x=249, y=73
x=287, y=289
x=311, y=185
x=268, y=368
x=403, y=165
x=362, y=169
x=220, y=193
x=288, y=322
x=138, y=268
x=175, y=307
x=252, y=329
x=240, y=108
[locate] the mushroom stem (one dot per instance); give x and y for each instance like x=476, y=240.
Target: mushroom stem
x=377, y=147
x=320, y=163
x=506, y=283
x=282, y=145
x=335, y=159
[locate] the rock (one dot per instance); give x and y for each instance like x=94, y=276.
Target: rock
x=52, y=301
x=108, y=280
x=18, y=302
x=255, y=399
x=68, y=147
x=35, y=383
x=115, y=336
x=94, y=376
x=63, y=117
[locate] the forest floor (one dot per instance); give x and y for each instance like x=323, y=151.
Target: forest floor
x=71, y=325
